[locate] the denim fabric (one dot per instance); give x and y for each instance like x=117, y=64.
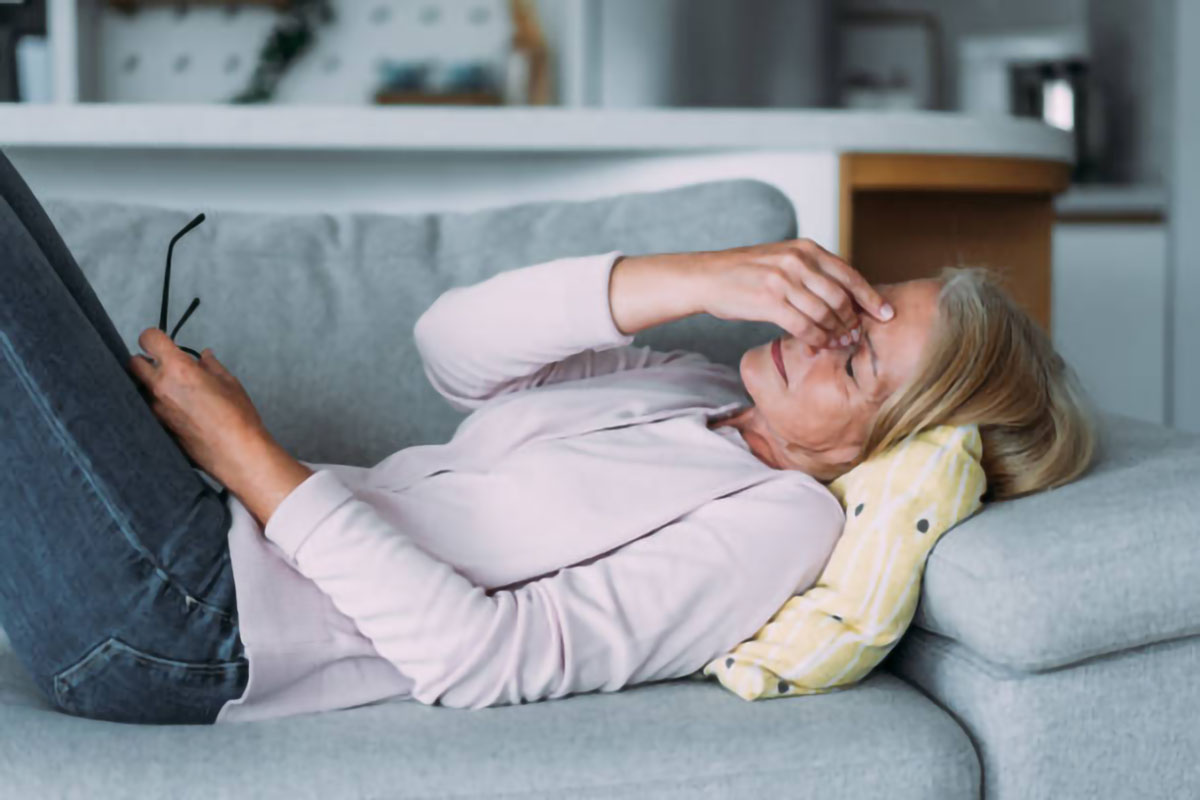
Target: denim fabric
x=116, y=588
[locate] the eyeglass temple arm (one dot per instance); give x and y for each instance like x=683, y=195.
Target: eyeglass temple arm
x=162, y=319
x=183, y=319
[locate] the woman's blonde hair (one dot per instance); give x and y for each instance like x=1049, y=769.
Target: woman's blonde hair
x=990, y=364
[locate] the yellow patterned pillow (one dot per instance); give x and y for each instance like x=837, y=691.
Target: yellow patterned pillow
x=897, y=506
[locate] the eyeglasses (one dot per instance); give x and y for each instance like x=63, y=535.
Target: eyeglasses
x=162, y=319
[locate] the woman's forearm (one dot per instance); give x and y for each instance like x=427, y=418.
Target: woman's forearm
x=644, y=291
x=260, y=473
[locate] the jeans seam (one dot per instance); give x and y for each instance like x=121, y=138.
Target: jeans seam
x=68, y=444
x=99, y=655
x=62, y=678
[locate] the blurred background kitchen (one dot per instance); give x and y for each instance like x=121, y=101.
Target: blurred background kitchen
x=1116, y=75
x=1100, y=68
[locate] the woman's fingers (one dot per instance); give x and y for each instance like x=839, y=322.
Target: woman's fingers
x=813, y=307
x=142, y=369
x=800, y=325
x=842, y=318
x=209, y=361
x=799, y=286
x=862, y=291
x=159, y=346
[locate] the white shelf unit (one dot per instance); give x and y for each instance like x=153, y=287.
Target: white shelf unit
x=79, y=30
x=530, y=129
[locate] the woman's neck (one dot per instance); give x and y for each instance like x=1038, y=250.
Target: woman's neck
x=743, y=421
x=735, y=418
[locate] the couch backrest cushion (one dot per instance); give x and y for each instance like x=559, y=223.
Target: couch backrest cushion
x=314, y=312
x=1100, y=565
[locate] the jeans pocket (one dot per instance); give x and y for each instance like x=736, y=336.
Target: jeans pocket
x=116, y=681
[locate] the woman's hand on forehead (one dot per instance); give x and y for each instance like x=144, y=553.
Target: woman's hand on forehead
x=796, y=284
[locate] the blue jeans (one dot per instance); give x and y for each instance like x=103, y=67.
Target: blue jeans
x=116, y=588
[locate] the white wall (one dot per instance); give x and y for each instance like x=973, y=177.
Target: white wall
x=208, y=54
x=1109, y=292
x=1184, y=180
x=342, y=67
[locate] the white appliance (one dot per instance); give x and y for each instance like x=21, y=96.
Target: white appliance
x=1041, y=73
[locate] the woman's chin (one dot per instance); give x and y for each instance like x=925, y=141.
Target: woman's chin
x=744, y=365
x=750, y=372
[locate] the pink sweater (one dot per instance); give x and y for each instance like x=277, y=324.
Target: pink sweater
x=583, y=530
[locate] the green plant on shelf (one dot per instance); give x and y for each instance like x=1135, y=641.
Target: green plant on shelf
x=291, y=37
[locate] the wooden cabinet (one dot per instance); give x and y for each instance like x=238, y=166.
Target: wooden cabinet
x=905, y=216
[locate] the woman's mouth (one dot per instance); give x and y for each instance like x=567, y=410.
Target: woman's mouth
x=777, y=356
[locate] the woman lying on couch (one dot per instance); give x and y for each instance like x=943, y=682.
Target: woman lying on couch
x=607, y=515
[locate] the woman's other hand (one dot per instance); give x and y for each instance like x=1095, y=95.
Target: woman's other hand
x=200, y=402
x=796, y=284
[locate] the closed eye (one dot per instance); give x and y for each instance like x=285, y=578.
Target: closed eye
x=850, y=367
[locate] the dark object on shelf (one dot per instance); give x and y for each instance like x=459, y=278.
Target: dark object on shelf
x=291, y=37
x=437, y=83
x=392, y=97
x=1059, y=92
x=405, y=76
x=130, y=6
x=16, y=21
x=469, y=77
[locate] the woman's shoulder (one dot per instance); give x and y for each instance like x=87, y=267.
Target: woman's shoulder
x=789, y=489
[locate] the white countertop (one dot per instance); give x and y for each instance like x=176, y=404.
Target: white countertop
x=1112, y=200
x=283, y=127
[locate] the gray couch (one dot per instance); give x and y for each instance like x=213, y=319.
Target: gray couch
x=1054, y=653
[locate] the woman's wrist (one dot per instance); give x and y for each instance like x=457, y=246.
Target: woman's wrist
x=650, y=290
x=261, y=474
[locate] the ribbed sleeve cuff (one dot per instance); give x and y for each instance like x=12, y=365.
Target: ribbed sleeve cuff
x=587, y=297
x=304, y=509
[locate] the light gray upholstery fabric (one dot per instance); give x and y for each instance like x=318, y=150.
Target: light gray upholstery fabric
x=314, y=312
x=1101, y=576
x=1108, y=562
x=672, y=739
x=1116, y=726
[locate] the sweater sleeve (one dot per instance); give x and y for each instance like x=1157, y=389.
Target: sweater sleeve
x=528, y=327
x=658, y=607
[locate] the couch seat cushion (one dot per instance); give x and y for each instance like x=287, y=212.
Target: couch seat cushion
x=1118, y=726
x=1109, y=562
x=683, y=738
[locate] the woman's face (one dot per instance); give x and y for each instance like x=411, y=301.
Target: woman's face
x=828, y=397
